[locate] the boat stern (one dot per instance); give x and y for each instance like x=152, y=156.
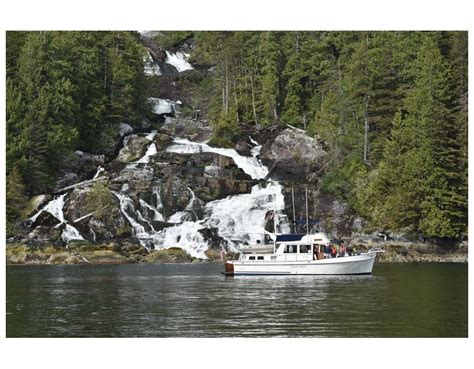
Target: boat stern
x=228, y=268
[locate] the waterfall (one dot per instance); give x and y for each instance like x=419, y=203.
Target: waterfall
x=249, y=164
x=150, y=67
x=71, y=233
x=55, y=208
x=126, y=203
x=150, y=152
x=178, y=60
x=238, y=218
x=189, y=212
x=164, y=106
x=255, y=150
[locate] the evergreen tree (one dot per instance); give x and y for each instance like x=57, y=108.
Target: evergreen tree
x=15, y=200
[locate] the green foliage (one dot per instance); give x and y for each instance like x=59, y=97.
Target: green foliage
x=99, y=200
x=68, y=91
x=16, y=200
x=226, y=130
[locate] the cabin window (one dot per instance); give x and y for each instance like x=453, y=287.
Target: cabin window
x=259, y=257
x=290, y=249
x=251, y=257
x=304, y=249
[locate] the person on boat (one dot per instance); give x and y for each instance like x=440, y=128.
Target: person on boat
x=327, y=251
x=333, y=251
x=349, y=250
x=342, y=250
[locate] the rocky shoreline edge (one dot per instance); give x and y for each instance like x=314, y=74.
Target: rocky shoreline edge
x=114, y=253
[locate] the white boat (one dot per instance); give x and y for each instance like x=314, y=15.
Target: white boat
x=300, y=254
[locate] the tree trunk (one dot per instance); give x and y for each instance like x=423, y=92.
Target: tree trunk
x=253, y=98
x=226, y=85
x=366, y=130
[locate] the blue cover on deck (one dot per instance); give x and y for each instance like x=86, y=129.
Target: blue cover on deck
x=289, y=237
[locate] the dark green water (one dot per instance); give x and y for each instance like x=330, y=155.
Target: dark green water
x=398, y=300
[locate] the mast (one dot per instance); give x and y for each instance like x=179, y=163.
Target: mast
x=294, y=216
x=307, y=220
x=274, y=230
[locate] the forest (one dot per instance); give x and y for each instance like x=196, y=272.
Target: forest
x=391, y=109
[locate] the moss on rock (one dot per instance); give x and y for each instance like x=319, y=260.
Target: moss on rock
x=171, y=255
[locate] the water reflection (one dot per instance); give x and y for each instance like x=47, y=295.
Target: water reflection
x=195, y=301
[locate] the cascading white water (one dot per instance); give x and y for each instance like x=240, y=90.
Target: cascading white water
x=249, y=164
x=126, y=206
x=164, y=106
x=55, y=208
x=189, y=212
x=255, y=150
x=178, y=60
x=238, y=219
x=150, y=67
x=150, y=152
x=71, y=233
x=100, y=169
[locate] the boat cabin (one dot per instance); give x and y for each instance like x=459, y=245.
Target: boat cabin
x=291, y=247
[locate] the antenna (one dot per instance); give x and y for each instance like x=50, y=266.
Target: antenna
x=294, y=216
x=307, y=219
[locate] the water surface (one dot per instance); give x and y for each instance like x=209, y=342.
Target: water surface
x=194, y=300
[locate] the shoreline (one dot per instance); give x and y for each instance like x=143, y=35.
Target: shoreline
x=114, y=254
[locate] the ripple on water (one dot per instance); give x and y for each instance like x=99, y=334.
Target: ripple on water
x=195, y=301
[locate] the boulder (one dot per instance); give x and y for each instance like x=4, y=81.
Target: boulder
x=156, y=52
x=171, y=255
x=215, y=171
x=45, y=219
x=137, y=178
x=193, y=130
x=212, y=238
x=175, y=194
x=291, y=155
x=46, y=235
x=134, y=147
x=125, y=129
x=67, y=179
x=86, y=163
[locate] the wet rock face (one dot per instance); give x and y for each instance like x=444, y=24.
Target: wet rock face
x=211, y=236
x=67, y=179
x=46, y=235
x=134, y=147
x=87, y=163
x=156, y=52
x=175, y=194
x=136, y=178
x=193, y=130
x=45, y=219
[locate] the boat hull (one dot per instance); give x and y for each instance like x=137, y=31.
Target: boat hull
x=358, y=264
